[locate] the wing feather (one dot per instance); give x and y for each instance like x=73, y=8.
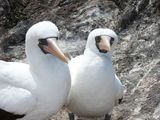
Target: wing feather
x=15, y=82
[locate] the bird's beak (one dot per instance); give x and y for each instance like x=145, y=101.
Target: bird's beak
x=53, y=49
x=105, y=43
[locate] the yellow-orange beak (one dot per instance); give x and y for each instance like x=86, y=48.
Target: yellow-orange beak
x=54, y=50
x=104, y=44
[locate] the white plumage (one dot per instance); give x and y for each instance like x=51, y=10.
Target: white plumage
x=37, y=90
x=95, y=89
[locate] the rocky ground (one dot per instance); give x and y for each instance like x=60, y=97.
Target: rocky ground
x=136, y=58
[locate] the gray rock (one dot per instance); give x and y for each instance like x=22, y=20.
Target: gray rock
x=15, y=35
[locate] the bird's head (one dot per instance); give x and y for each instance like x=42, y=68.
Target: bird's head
x=101, y=40
x=41, y=40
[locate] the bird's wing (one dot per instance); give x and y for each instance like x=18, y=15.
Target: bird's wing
x=16, y=100
x=120, y=92
x=16, y=74
x=15, y=83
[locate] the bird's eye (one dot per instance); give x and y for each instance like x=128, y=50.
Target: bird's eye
x=56, y=38
x=98, y=39
x=111, y=41
x=43, y=41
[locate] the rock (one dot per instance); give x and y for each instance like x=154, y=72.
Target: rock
x=12, y=12
x=12, y=41
x=15, y=35
x=1, y=11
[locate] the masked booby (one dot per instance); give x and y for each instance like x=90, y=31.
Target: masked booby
x=37, y=90
x=95, y=89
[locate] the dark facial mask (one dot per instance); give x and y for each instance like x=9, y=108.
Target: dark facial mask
x=98, y=40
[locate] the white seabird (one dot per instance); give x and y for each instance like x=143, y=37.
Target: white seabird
x=38, y=90
x=95, y=89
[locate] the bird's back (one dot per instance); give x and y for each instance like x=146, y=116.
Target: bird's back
x=15, y=84
x=16, y=74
